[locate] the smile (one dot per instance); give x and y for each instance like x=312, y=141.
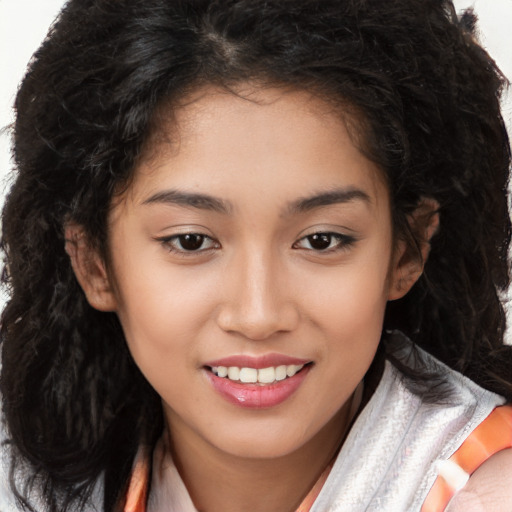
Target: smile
x=257, y=384
x=247, y=375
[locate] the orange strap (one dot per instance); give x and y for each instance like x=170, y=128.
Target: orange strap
x=137, y=495
x=491, y=436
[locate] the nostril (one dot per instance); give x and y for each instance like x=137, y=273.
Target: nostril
x=258, y=324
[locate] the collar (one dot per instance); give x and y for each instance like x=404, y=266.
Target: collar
x=138, y=489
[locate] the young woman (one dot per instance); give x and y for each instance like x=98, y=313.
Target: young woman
x=234, y=223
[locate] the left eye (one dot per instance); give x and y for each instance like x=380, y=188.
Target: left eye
x=323, y=241
x=189, y=242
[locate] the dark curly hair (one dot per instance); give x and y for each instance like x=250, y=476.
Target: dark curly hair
x=427, y=98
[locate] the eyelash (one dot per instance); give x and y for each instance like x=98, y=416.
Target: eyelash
x=341, y=242
x=171, y=241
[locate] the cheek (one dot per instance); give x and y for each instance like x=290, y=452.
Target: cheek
x=349, y=299
x=160, y=309
x=348, y=309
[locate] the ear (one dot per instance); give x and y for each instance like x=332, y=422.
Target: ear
x=409, y=260
x=89, y=268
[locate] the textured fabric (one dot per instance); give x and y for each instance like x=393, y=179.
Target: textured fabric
x=389, y=460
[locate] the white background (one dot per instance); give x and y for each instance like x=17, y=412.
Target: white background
x=24, y=23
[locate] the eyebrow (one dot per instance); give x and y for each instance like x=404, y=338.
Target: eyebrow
x=328, y=198
x=194, y=200
x=302, y=205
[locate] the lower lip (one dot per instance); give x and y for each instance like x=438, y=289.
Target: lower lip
x=252, y=396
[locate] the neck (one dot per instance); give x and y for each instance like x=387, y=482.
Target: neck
x=219, y=481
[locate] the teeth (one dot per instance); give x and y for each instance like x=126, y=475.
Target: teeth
x=222, y=371
x=266, y=375
x=261, y=376
x=291, y=370
x=248, y=375
x=233, y=373
x=281, y=372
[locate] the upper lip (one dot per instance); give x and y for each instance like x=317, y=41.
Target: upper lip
x=258, y=362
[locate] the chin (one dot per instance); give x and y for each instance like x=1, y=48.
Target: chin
x=260, y=449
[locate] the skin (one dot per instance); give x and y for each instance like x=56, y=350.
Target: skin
x=488, y=488
x=256, y=286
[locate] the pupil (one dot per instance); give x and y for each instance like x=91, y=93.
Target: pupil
x=320, y=241
x=191, y=242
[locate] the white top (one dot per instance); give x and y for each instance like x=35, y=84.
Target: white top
x=391, y=456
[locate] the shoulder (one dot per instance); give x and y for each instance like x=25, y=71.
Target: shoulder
x=489, y=487
x=481, y=447
x=481, y=468
x=439, y=386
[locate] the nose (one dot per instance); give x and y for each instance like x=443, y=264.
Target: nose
x=258, y=303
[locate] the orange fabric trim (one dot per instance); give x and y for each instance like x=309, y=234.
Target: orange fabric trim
x=137, y=495
x=491, y=436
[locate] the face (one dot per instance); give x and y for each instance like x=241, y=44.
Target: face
x=257, y=246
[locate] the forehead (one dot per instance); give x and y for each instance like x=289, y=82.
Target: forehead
x=256, y=139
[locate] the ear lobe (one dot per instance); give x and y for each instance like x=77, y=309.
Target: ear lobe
x=409, y=261
x=89, y=269
x=405, y=272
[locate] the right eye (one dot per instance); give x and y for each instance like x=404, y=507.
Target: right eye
x=325, y=242
x=189, y=243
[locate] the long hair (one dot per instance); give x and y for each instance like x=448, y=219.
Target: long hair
x=426, y=96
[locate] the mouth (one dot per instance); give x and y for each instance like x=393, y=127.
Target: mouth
x=259, y=376
x=257, y=385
